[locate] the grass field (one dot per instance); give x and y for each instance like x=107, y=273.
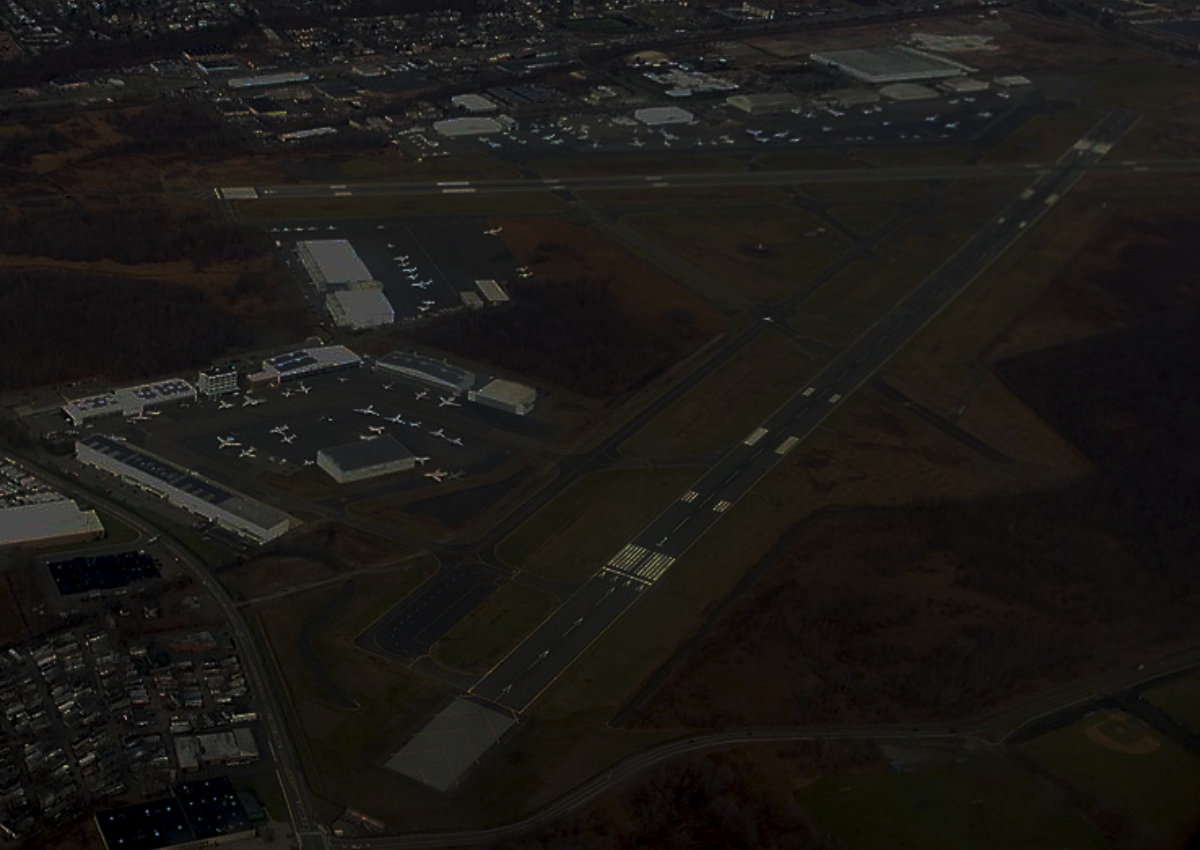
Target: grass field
x=1179, y=698
x=1045, y=137
x=863, y=191
x=861, y=292
x=485, y=636
x=988, y=802
x=636, y=164
x=683, y=197
x=1153, y=794
x=273, y=574
x=897, y=156
x=728, y=404
x=389, y=166
x=805, y=160
x=863, y=218
x=726, y=246
x=574, y=535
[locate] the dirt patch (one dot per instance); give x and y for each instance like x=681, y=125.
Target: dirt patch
x=1113, y=733
x=351, y=546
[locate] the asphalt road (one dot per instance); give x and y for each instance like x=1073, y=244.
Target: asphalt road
x=549, y=650
x=689, y=181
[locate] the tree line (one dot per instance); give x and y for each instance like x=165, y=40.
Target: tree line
x=144, y=234
x=60, y=327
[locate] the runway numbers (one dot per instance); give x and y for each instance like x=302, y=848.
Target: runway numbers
x=689, y=496
x=655, y=566
x=720, y=506
x=787, y=445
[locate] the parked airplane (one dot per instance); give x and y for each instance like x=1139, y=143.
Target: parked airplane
x=457, y=441
x=369, y=410
x=437, y=475
x=398, y=419
x=495, y=231
x=457, y=475
x=376, y=429
x=637, y=143
x=137, y=417
x=227, y=442
x=280, y=429
x=153, y=413
x=224, y=405
x=368, y=436
x=301, y=388
x=414, y=424
x=438, y=433
x=420, y=395
x=288, y=438
x=449, y=401
x=251, y=401
x=246, y=452
x=420, y=461
x=307, y=462
x=421, y=284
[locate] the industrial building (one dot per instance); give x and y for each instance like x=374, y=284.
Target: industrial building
x=229, y=747
x=890, y=64
x=474, y=103
x=658, y=116
x=239, y=514
x=768, y=103
x=427, y=370
x=45, y=523
x=198, y=814
x=492, y=291
x=364, y=459
x=331, y=264
x=963, y=85
x=218, y=380
x=359, y=309
x=505, y=395
x=128, y=401
x=305, y=363
x=474, y=125
x=907, y=92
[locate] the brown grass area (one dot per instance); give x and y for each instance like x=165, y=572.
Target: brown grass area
x=352, y=546
x=643, y=292
x=274, y=574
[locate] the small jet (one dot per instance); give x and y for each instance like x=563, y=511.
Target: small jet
x=414, y=424
x=438, y=433
x=421, y=284
x=287, y=393
x=456, y=476
x=251, y=401
x=449, y=401
x=420, y=395
x=494, y=231
x=301, y=388
x=420, y=461
x=369, y=410
x=368, y=436
x=375, y=429
x=137, y=417
x=280, y=429
x=246, y=452
x=637, y=143
x=398, y=419
x=437, y=475
x=388, y=386
x=402, y=258
x=455, y=441
x=227, y=442
x=307, y=462
x=224, y=405
x=288, y=438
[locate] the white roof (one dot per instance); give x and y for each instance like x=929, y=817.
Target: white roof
x=472, y=126
x=45, y=521
x=655, y=115
x=364, y=307
x=473, y=103
x=336, y=260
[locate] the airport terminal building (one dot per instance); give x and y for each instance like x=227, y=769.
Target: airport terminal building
x=365, y=459
x=245, y=517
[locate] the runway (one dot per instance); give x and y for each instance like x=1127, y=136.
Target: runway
x=551, y=648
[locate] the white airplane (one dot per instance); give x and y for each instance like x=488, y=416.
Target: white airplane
x=421, y=284
x=438, y=433
x=369, y=410
x=137, y=417
x=457, y=475
x=303, y=389
x=246, y=452
x=307, y=462
x=457, y=441
x=414, y=424
x=637, y=143
x=388, y=386
x=154, y=413
x=224, y=405
x=495, y=231
x=251, y=401
x=423, y=309
x=376, y=429
x=437, y=475
x=287, y=393
x=227, y=442
x=420, y=461
x=288, y=438
x=368, y=436
x=449, y=401
x=398, y=419
x=403, y=258
x=391, y=245
x=280, y=429
x=421, y=394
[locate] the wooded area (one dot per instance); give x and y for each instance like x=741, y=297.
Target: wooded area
x=59, y=326
x=573, y=333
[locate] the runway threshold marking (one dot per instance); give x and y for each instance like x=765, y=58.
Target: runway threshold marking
x=628, y=558
x=621, y=574
x=787, y=445
x=655, y=566
x=689, y=496
x=721, y=506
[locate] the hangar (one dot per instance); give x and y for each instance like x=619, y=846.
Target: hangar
x=891, y=64
x=767, y=103
x=469, y=126
x=505, y=395
x=364, y=459
x=359, y=309
x=42, y=523
x=239, y=514
x=331, y=263
x=427, y=370
x=658, y=116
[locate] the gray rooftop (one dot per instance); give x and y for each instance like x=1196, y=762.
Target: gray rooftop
x=435, y=369
x=365, y=453
x=450, y=744
x=891, y=63
x=336, y=260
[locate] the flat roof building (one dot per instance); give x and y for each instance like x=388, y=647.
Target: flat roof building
x=128, y=401
x=43, y=523
x=331, y=263
x=218, y=380
x=232, y=511
x=963, y=85
x=427, y=370
x=890, y=64
x=304, y=363
x=505, y=395
x=469, y=126
x=473, y=103
x=658, y=116
x=904, y=92
x=198, y=814
x=767, y=103
x=359, y=309
x=492, y=291
x=364, y=459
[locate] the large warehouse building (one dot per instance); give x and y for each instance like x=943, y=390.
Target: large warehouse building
x=427, y=370
x=128, y=401
x=364, y=459
x=239, y=514
x=359, y=309
x=505, y=395
x=45, y=523
x=304, y=363
x=332, y=263
x=890, y=64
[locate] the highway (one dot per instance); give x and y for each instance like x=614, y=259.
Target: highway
x=293, y=192
x=534, y=665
